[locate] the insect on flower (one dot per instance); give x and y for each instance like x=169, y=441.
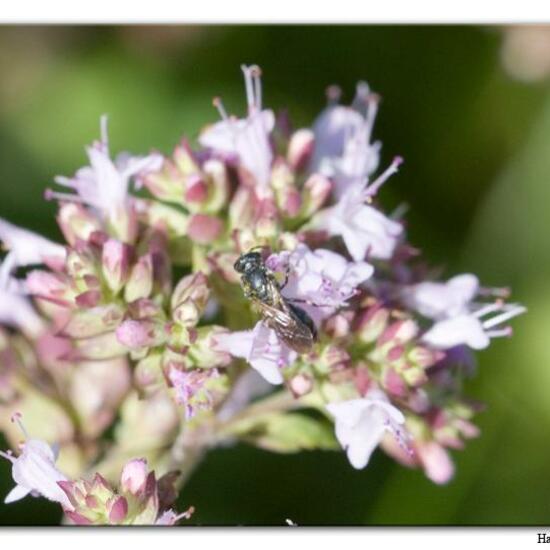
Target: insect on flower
x=291, y=323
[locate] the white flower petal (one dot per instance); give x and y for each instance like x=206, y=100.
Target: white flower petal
x=463, y=329
x=17, y=493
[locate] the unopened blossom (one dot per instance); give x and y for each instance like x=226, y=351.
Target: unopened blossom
x=320, y=281
x=343, y=149
x=34, y=471
x=28, y=248
x=141, y=498
x=104, y=185
x=361, y=424
x=473, y=329
x=365, y=230
x=247, y=138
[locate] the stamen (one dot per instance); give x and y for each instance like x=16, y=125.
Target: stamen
x=513, y=311
x=8, y=456
x=499, y=333
x=333, y=93
x=103, y=123
x=373, y=188
x=218, y=103
x=362, y=92
x=64, y=181
x=257, y=74
x=372, y=111
x=5, y=270
x=489, y=308
x=400, y=211
x=16, y=418
x=50, y=194
x=249, y=86
x=503, y=292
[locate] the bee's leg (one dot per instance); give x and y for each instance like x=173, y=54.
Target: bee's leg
x=307, y=302
x=287, y=273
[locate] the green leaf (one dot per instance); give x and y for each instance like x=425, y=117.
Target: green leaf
x=287, y=433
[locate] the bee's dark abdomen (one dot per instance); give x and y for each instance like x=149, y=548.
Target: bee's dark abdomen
x=304, y=318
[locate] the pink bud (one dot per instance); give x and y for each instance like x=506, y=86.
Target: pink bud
x=134, y=476
x=300, y=385
x=242, y=208
x=116, y=263
x=119, y=509
x=395, y=384
x=76, y=222
x=140, y=283
x=395, y=353
x=204, y=229
x=196, y=189
x=400, y=332
x=48, y=286
x=78, y=519
x=317, y=189
x=292, y=203
x=136, y=334
x=436, y=461
x=300, y=148
x=90, y=298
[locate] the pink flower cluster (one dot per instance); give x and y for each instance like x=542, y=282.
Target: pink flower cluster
x=101, y=331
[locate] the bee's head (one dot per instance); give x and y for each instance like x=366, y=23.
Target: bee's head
x=248, y=261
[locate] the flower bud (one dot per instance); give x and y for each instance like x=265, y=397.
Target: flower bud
x=85, y=323
x=394, y=383
x=267, y=223
x=133, y=478
x=117, y=509
x=196, y=190
x=102, y=346
x=300, y=385
x=204, y=229
x=300, y=148
x=184, y=159
x=166, y=184
x=242, y=208
x=436, y=461
x=140, y=283
x=372, y=323
x=48, y=286
x=164, y=218
x=332, y=357
x=123, y=223
x=116, y=263
x=140, y=334
x=399, y=332
x=288, y=198
x=218, y=185
x=76, y=222
x=148, y=376
x=189, y=299
x=316, y=190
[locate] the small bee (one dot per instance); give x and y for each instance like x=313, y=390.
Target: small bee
x=291, y=323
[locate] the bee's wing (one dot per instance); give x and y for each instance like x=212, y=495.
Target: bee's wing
x=289, y=328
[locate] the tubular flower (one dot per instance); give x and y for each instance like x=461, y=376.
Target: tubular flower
x=248, y=138
x=343, y=148
x=34, y=471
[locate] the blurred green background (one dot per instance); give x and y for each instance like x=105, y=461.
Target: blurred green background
x=469, y=110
